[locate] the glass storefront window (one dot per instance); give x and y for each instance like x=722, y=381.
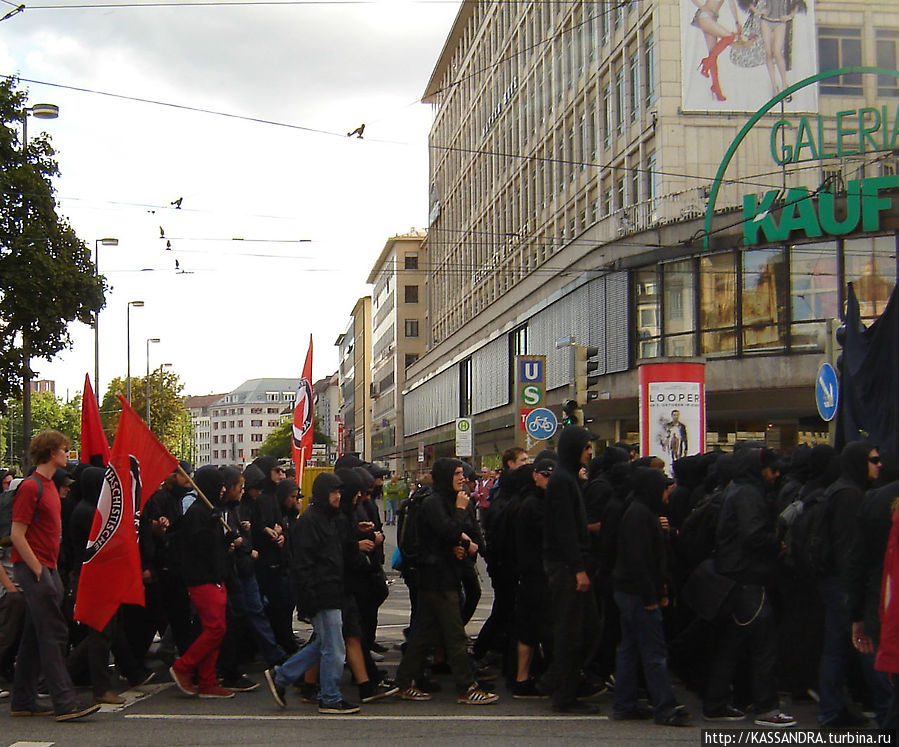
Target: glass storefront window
x=646, y=303
x=871, y=266
x=764, y=307
x=679, y=282
x=813, y=293
x=718, y=305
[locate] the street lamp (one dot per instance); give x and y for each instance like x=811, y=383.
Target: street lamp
x=136, y=304
x=41, y=111
x=97, y=244
x=149, y=340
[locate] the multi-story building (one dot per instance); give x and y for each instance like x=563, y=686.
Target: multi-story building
x=242, y=419
x=398, y=331
x=200, y=450
x=575, y=152
x=327, y=409
x=354, y=346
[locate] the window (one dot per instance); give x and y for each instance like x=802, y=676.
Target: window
x=679, y=283
x=272, y=410
x=215, y=439
x=840, y=47
x=254, y=452
x=813, y=292
x=256, y=411
x=410, y=293
x=649, y=69
x=606, y=116
x=764, y=300
x=256, y=423
x=646, y=303
x=871, y=266
x=240, y=423
x=717, y=307
x=273, y=423
x=465, y=388
x=887, y=47
x=230, y=423
x=411, y=358
x=215, y=425
x=635, y=86
x=256, y=437
x=411, y=327
x=620, y=103
x=651, y=178
x=410, y=262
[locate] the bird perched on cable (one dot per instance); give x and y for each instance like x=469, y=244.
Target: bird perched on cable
x=357, y=132
x=177, y=203
x=168, y=245
x=161, y=232
x=177, y=265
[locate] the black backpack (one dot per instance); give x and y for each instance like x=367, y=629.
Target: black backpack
x=808, y=539
x=7, y=498
x=696, y=539
x=408, y=530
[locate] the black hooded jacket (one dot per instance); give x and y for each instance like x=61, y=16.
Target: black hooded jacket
x=266, y=513
x=529, y=522
x=204, y=558
x=566, y=542
x=746, y=547
x=641, y=566
x=844, y=498
x=317, y=541
x=90, y=483
x=604, y=498
x=440, y=529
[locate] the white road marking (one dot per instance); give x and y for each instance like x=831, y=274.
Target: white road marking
x=134, y=695
x=361, y=716
x=32, y=744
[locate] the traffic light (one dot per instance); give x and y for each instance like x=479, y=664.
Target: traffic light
x=585, y=372
x=570, y=413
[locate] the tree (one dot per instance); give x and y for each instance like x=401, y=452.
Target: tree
x=47, y=411
x=278, y=442
x=47, y=279
x=167, y=413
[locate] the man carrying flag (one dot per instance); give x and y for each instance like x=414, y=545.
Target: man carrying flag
x=303, y=419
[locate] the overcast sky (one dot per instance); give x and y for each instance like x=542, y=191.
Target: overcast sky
x=237, y=309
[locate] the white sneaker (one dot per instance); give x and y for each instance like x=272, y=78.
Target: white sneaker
x=4, y=694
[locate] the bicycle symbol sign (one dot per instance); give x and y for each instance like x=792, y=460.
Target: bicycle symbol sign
x=541, y=423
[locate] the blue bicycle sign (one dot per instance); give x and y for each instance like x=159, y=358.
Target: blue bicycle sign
x=541, y=423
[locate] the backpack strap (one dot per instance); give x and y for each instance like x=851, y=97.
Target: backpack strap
x=40, y=494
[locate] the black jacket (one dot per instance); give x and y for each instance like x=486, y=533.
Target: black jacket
x=746, y=547
x=441, y=527
x=566, y=542
x=317, y=560
x=204, y=546
x=641, y=566
x=844, y=498
x=529, y=534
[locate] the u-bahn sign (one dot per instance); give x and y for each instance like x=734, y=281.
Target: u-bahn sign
x=530, y=391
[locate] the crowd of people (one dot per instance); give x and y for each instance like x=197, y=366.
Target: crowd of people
x=746, y=576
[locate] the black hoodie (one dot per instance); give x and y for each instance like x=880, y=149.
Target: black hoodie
x=641, y=565
x=844, y=498
x=90, y=483
x=440, y=529
x=204, y=557
x=566, y=542
x=317, y=539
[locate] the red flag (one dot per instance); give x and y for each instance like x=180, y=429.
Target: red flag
x=94, y=446
x=303, y=418
x=133, y=437
x=111, y=572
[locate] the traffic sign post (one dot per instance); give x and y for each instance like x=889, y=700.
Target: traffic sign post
x=827, y=392
x=541, y=424
x=464, y=437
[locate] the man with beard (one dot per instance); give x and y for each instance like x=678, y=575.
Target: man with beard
x=444, y=545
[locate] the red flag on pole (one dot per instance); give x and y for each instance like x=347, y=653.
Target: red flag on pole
x=111, y=572
x=94, y=446
x=303, y=418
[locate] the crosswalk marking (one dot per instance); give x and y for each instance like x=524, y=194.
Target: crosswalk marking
x=361, y=716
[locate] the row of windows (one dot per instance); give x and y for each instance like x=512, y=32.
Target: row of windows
x=760, y=300
x=225, y=454
x=237, y=438
x=840, y=46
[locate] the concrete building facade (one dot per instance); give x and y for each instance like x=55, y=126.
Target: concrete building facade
x=354, y=372
x=200, y=451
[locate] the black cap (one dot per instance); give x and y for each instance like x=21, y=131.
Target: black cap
x=544, y=464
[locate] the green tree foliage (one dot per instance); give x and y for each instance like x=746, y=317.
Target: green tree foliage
x=278, y=442
x=47, y=279
x=47, y=411
x=167, y=413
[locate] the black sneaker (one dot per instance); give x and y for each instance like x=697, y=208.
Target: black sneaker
x=577, y=708
x=640, y=713
x=527, y=690
x=340, y=708
x=307, y=692
x=239, y=684
x=35, y=710
x=276, y=690
x=378, y=648
x=680, y=716
x=370, y=691
x=776, y=720
x=728, y=713
x=78, y=711
x=587, y=690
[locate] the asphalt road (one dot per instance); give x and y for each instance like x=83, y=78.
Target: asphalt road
x=159, y=715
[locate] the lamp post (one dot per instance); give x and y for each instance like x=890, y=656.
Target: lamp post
x=149, y=340
x=97, y=243
x=41, y=111
x=137, y=304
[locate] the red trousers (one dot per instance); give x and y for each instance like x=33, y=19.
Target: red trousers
x=209, y=601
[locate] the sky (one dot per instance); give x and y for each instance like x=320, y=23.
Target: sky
x=312, y=207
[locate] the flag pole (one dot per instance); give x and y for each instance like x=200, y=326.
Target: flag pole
x=302, y=467
x=203, y=497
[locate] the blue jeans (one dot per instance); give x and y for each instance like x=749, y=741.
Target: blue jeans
x=837, y=650
x=642, y=640
x=250, y=605
x=326, y=649
x=389, y=512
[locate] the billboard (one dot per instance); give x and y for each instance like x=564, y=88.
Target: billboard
x=736, y=55
x=672, y=410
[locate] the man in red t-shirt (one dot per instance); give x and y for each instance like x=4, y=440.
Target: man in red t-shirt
x=36, y=529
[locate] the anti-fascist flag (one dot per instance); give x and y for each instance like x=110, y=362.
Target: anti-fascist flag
x=94, y=446
x=111, y=572
x=303, y=418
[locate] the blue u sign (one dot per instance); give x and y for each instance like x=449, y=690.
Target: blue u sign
x=541, y=423
x=531, y=370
